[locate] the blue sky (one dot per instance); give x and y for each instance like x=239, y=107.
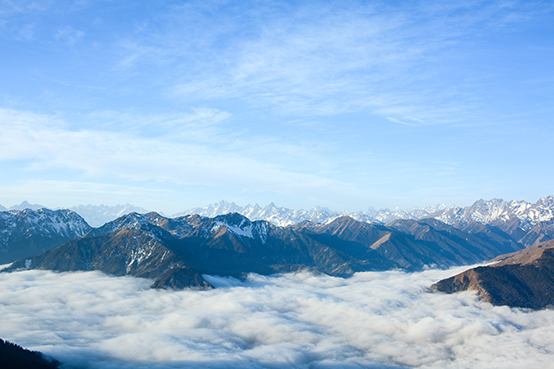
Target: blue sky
x=348, y=104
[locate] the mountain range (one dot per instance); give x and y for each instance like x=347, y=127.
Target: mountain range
x=528, y=223
x=176, y=252
x=98, y=215
x=283, y=216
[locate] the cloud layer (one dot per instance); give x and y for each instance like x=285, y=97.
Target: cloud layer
x=373, y=320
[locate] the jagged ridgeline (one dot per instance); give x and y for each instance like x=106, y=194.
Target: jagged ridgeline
x=29, y=232
x=528, y=223
x=176, y=252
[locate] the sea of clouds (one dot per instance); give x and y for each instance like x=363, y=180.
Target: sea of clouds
x=301, y=320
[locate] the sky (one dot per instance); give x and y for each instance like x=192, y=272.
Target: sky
x=170, y=105
x=377, y=320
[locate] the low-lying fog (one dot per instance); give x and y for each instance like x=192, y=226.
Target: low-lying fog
x=372, y=320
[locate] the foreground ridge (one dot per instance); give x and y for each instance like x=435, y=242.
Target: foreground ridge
x=522, y=279
x=16, y=357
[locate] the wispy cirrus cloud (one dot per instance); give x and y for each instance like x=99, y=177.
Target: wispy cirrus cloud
x=69, y=35
x=394, y=120
x=322, y=59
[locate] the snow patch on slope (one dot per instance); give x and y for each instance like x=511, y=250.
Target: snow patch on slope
x=245, y=231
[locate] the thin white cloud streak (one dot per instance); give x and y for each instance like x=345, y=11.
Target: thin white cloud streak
x=202, y=125
x=69, y=36
x=394, y=120
x=9, y=8
x=198, y=152
x=377, y=320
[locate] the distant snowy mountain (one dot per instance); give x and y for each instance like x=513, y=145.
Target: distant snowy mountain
x=282, y=216
x=98, y=215
x=500, y=211
x=386, y=216
x=25, y=205
x=279, y=216
x=525, y=222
